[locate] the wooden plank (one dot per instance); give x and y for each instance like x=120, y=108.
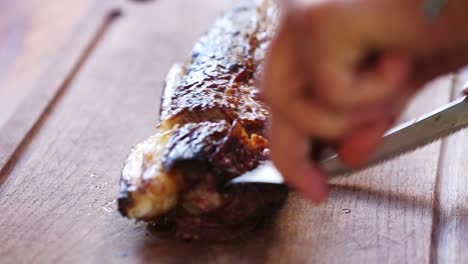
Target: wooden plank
x=47, y=91
x=382, y=215
x=59, y=205
x=451, y=217
x=31, y=32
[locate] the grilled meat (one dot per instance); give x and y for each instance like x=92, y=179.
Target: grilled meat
x=211, y=129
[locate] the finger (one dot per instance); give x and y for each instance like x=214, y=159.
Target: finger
x=282, y=90
x=358, y=148
x=281, y=79
x=373, y=86
x=329, y=55
x=334, y=65
x=324, y=123
x=289, y=152
x=384, y=82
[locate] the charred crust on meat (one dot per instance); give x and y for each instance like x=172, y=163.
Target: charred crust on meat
x=122, y=203
x=212, y=129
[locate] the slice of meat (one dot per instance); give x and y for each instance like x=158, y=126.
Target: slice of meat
x=212, y=129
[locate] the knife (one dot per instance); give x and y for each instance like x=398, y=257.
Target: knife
x=397, y=141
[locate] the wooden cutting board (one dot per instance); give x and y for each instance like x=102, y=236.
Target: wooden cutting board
x=62, y=150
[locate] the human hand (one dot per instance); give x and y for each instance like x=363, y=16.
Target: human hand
x=342, y=71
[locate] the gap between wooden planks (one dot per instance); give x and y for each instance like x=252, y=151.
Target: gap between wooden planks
x=31, y=31
x=451, y=197
x=59, y=202
x=32, y=112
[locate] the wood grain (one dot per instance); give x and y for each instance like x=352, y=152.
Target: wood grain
x=31, y=113
x=62, y=189
x=382, y=215
x=451, y=208
x=31, y=33
x=58, y=205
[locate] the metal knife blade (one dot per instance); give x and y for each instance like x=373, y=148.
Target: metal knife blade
x=397, y=141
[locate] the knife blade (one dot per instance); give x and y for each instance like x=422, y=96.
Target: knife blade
x=397, y=141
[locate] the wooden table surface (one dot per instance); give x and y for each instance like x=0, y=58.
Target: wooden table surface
x=79, y=85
